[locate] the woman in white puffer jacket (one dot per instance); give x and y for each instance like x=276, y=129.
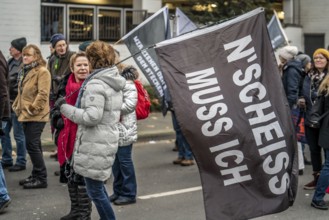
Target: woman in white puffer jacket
x=124, y=184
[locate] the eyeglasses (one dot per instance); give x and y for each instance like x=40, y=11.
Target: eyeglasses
x=27, y=55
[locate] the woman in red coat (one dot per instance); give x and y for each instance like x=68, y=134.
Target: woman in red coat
x=65, y=137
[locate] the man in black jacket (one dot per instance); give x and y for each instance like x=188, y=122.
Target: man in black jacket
x=4, y=117
x=14, y=66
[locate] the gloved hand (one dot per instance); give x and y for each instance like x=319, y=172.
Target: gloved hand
x=60, y=101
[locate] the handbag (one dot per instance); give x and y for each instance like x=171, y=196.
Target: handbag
x=317, y=112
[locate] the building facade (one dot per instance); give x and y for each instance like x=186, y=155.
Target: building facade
x=306, y=24
x=78, y=20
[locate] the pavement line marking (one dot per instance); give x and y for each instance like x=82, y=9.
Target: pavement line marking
x=169, y=193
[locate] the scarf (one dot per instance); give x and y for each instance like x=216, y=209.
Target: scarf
x=24, y=71
x=316, y=79
x=67, y=135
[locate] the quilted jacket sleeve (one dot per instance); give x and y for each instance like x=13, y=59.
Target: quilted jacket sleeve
x=129, y=98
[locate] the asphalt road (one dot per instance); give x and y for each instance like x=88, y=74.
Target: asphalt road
x=165, y=191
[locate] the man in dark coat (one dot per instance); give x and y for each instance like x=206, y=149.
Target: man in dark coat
x=15, y=64
x=4, y=116
x=4, y=94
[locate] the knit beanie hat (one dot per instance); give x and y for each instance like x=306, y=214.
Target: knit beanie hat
x=288, y=52
x=55, y=38
x=304, y=58
x=19, y=43
x=323, y=51
x=83, y=46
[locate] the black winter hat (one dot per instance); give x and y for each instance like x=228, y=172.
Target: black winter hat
x=19, y=43
x=55, y=38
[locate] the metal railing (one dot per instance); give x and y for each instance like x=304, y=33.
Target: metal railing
x=86, y=22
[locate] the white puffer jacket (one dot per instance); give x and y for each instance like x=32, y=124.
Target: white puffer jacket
x=97, y=137
x=128, y=121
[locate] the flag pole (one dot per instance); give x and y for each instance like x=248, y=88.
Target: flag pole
x=117, y=42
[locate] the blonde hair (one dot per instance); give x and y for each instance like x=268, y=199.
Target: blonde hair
x=324, y=86
x=37, y=54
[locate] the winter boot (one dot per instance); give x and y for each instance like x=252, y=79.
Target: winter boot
x=312, y=184
x=73, y=192
x=84, y=204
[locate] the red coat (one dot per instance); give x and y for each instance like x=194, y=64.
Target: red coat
x=66, y=138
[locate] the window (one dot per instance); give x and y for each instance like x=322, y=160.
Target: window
x=52, y=21
x=86, y=22
x=109, y=24
x=81, y=23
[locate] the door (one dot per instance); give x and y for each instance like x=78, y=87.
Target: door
x=313, y=42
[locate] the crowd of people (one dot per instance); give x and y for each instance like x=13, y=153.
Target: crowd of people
x=87, y=96
x=306, y=85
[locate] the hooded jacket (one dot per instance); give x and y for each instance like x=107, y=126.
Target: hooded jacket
x=291, y=78
x=97, y=137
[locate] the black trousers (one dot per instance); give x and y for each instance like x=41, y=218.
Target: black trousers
x=33, y=131
x=312, y=136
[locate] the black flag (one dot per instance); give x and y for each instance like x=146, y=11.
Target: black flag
x=153, y=30
x=276, y=32
x=232, y=109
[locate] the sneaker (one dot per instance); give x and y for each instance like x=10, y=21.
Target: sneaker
x=187, y=163
x=319, y=205
x=16, y=168
x=4, y=205
x=178, y=161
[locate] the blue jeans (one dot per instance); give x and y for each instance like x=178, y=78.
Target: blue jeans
x=97, y=193
x=20, y=142
x=124, y=184
x=3, y=188
x=184, y=149
x=323, y=181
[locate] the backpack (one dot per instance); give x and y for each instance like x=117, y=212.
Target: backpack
x=143, y=101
